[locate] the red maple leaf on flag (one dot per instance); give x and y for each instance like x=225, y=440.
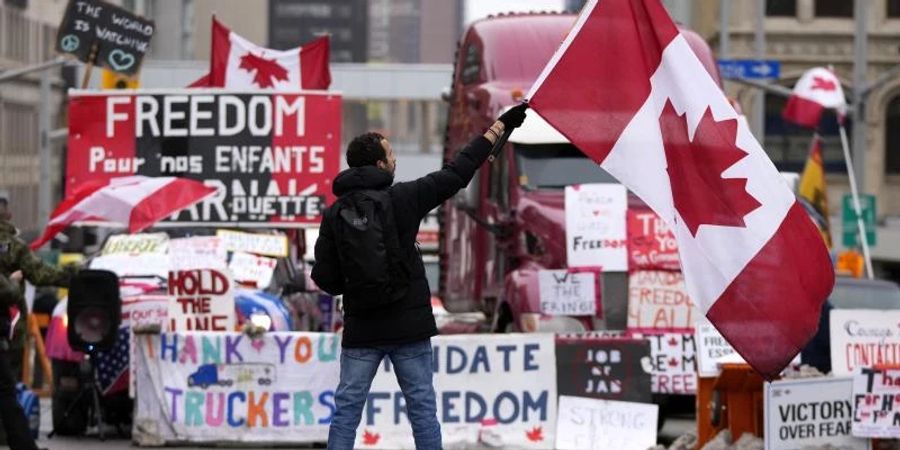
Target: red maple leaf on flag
x=268, y=71
x=535, y=435
x=672, y=341
x=695, y=168
x=823, y=84
x=370, y=438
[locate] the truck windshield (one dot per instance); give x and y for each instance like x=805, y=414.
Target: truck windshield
x=554, y=166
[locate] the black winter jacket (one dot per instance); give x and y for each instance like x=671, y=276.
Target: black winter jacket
x=410, y=319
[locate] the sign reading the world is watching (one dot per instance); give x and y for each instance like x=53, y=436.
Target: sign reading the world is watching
x=99, y=33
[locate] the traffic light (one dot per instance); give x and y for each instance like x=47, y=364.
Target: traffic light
x=113, y=80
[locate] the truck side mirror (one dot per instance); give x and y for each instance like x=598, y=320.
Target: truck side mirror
x=467, y=197
x=445, y=94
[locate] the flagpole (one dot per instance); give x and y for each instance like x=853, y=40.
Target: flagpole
x=856, y=206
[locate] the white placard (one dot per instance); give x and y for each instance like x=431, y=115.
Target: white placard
x=135, y=244
x=494, y=390
x=710, y=347
x=863, y=338
x=259, y=244
x=658, y=301
x=197, y=251
x=591, y=424
x=201, y=300
x=568, y=293
x=595, y=226
x=674, y=363
x=810, y=412
x=227, y=388
x=876, y=403
x=251, y=268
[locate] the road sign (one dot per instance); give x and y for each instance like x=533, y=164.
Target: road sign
x=768, y=69
x=851, y=229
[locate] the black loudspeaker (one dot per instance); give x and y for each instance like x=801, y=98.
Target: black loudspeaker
x=94, y=310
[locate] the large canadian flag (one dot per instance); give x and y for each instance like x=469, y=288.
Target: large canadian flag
x=238, y=63
x=818, y=89
x=626, y=88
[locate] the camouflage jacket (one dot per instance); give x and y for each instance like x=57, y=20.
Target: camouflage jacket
x=15, y=255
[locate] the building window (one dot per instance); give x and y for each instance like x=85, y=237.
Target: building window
x=781, y=8
x=893, y=9
x=834, y=8
x=788, y=145
x=892, y=137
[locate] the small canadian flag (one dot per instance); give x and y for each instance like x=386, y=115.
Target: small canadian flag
x=237, y=63
x=817, y=90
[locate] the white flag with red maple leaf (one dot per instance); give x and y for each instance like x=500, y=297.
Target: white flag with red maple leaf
x=817, y=90
x=626, y=88
x=237, y=63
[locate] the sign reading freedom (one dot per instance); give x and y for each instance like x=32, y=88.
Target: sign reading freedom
x=272, y=156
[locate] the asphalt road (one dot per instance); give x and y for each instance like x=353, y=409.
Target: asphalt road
x=673, y=428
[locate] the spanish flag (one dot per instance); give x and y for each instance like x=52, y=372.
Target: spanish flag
x=812, y=189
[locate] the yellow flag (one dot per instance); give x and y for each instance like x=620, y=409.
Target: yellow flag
x=812, y=189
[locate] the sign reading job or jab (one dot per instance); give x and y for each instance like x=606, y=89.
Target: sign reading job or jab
x=226, y=387
x=99, y=33
x=496, y=390
x=272, y=156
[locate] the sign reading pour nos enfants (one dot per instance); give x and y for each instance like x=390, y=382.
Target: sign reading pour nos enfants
x=271, y=156
x=99, y=33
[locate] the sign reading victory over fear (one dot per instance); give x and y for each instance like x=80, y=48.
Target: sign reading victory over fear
x=272, y=156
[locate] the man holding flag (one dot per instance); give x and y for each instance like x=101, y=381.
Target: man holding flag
x=626, y=89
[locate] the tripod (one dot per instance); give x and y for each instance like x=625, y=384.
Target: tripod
x=91, y=389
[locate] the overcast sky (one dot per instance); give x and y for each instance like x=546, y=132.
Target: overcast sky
x=476, y=9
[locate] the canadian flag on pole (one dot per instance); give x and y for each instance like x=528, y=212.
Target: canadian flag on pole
x=626, y=88
x=237, y=63
x=815, y=91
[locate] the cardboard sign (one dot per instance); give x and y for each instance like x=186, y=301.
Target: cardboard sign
x=674, y=363
x=651, y=244
x=114, y=37
x=134, y=244
x=226, y=387
x=876, y=403
x=809, y=413
x=658, y=301
x=201, y=300
x=494, y=390
x=863, y=338
x=259, y=244
x=569, y=293
x=590, y=424
x=248, y=268
x=271, y=156
x=615, y=369
x=197, y=251
x=142, y=313
x=595, y=226
x=711, y=346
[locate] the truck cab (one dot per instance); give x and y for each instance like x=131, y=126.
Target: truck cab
x=509, y=223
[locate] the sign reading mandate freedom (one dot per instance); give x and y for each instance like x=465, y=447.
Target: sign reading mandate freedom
x=272, y=156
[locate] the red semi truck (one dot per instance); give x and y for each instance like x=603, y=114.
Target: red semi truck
x=509, y=223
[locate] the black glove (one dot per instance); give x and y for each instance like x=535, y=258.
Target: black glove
x=514, y=117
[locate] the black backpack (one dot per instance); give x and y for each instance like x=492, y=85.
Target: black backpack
x=368, y=246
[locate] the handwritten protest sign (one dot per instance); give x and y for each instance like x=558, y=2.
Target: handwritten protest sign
x=811, y=412
x=197, y=251
x=876, y=403
x=259, y=244
x=616, y=369
x=248, y=268
x=495, y=390
x=201, y=299
x=566, y=292
x=864, y=338
x=651, y=244
x=674, y=363
x=226, y=387
x=135, y=244
x=97, y=32
x=710, y=347
x=595, y=226
x=658, y=301
x=589, y=424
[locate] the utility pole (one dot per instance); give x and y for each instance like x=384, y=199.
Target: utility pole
x=724, y=15
x=45, y=194
x=759, y=41
x=860, y=64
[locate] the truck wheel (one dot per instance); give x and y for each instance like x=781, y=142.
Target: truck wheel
x=67, y=385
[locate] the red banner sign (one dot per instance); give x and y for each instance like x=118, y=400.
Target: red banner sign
x=271, y=155
x=651, y=245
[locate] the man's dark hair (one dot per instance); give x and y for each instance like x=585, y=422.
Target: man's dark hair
x=366, y=150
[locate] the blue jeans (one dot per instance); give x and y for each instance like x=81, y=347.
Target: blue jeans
x=413, y=365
